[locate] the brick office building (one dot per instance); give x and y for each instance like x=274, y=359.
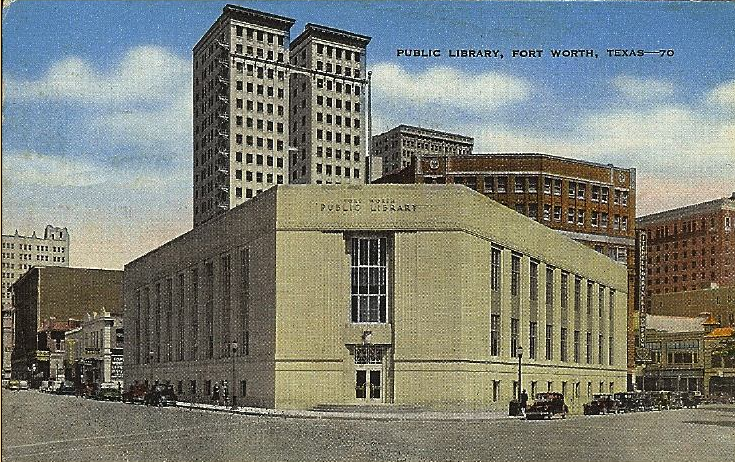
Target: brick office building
x=592, y=203
x=63, y=293
x=691, y=247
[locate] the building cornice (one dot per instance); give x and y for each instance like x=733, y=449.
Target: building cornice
x=331, y=34
x=688, y=211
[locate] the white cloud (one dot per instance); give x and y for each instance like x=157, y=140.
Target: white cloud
x=169, y=123
x=447, y=86
x=145, y=73
x=682, y=154
x=640, y=89
x=32, y=168
x=723, y=94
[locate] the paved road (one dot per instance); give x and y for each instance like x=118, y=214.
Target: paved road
x=42, y=427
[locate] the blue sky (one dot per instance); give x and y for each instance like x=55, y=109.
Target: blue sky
x=97, y=99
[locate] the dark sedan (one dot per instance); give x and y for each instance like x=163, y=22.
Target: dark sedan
x=161, y=395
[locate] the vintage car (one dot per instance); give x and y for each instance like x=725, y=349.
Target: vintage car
x=661, y=399
x=14, y=385
x=89, y=390
x=67, y=388
x=676, y=399
x=161, y=395
x=547, y=405
x=691, y=399
x=602, y=404
x=108, y=392
x=646, y=400
x=136, y=393
x=629, y=401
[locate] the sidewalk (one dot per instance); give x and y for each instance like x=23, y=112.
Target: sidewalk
x=393, y=416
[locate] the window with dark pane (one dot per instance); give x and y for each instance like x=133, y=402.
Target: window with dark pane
x=369, y=279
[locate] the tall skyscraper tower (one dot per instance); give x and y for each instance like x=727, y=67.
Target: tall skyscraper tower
x=327, y=116
x=240, y=109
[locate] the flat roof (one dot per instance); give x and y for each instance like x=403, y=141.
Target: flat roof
x=249, y=16
x=689, y=210
x=394, y=208
x=533, y=155
x=427, y=131
x=331, y=34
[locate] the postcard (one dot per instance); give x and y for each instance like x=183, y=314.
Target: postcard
x=368, y=230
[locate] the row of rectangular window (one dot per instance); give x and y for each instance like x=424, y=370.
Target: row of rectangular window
x=143, y=305
x=259, y=52
x=687, y=227
x=327, y=152
x=495, y=342
x=348, y=122
x=39, y=248
x=258, y=35
x=495, y=277
x=576, y=190
x=338, y=103
x=348, y=54
x=338, y=69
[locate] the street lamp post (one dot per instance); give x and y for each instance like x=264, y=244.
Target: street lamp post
x=519, y=352
x=232, y=387
x=150, y=365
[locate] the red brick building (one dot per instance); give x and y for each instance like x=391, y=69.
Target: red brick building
x=691, y=247
x=589, y=202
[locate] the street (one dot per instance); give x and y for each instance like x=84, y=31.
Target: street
x=37, y=426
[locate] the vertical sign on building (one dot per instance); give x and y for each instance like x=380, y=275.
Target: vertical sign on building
x=116, y=369
x=642, y=262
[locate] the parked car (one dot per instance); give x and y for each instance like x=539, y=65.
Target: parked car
x=14, y=385
x=547, y=405
x=24, y=385
x=676, y=400
x=691, y=399
x=645, y=399
x=108, y=393
x=135, y=394
x=54, y=385
x=661, y=399
x=89, y=390
x=629, y=401
x=161, y=395
x=67, y=388
x=602, y=404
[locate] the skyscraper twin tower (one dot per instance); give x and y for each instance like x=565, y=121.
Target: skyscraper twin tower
x=268, y=110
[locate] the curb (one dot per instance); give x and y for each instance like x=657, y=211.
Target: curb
x=337, y=415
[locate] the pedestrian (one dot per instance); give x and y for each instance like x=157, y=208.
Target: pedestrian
x=215, y=394
x=524, y=401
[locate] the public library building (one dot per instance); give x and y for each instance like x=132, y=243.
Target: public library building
x=407, y=294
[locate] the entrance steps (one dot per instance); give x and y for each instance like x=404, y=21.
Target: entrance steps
x=368, y=408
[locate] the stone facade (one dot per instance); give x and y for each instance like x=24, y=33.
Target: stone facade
x=328, y=107
x=94, y=350
x=591, y=203
x=398, y=146
x=405, y=294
